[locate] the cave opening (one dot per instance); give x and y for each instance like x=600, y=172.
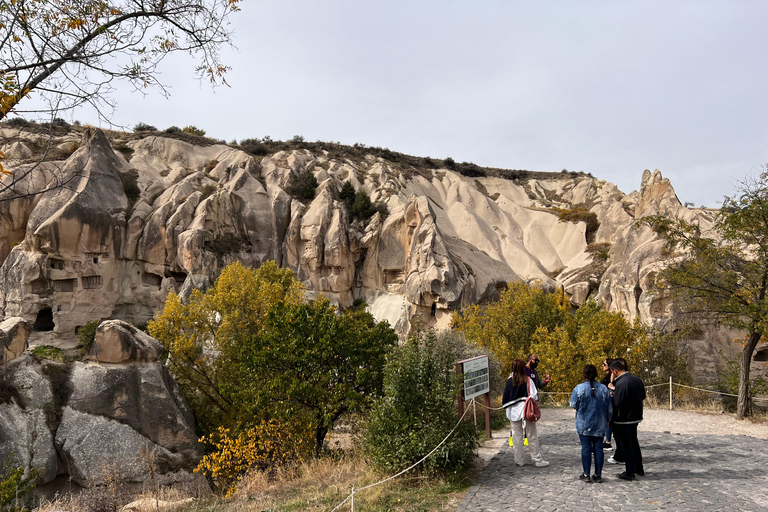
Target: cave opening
x=44, y=320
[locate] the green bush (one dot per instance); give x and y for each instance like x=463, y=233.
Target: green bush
x=85, y=336
x=144, y=127
x=302, y=186
x=418, y=410
x=172, y=129
x=359, y=205
x=13, y=486
x=193, y=130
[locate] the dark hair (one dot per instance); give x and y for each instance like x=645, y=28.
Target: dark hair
x=518, y=372
x=530, y=356
x=590, y=372
x=624, y=362
x=618, y=365
x=608, y=361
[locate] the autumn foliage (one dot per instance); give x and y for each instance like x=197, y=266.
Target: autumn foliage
x=527, y=319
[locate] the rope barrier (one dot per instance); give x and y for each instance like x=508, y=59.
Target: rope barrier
x=716, y=392
x=355, y=491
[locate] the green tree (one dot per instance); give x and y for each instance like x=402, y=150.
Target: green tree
x=418, y=410
x=302, y=186
x=251, y=349
x=311, y=360
x=347, y=195
x=724, y=274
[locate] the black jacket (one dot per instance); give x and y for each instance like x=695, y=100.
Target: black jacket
x=628, y=399
x=514, y=394
x=534, y=375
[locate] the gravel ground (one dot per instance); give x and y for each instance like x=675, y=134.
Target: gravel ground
x=654, y=420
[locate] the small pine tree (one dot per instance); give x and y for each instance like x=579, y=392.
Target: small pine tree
x=347, y=196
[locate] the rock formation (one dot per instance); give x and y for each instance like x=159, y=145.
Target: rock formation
x=163, y=214
x=85, y=420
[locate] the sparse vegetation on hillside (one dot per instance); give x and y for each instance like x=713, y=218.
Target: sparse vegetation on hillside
x=581, y=214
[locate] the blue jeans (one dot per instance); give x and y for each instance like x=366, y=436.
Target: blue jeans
x=592, y=445
x=608, y=432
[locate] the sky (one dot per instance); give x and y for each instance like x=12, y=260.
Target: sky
x=609, y=88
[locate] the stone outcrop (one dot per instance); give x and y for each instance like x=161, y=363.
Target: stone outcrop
x=120, y=342
x=82, y=420
x=170, y=215
x=14, y=333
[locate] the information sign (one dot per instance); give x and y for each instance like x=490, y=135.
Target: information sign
x=476, y=377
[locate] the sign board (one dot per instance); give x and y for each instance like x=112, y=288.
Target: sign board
x=476, y=377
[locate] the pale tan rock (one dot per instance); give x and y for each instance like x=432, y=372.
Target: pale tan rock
x=120, y=342
x=14, y=333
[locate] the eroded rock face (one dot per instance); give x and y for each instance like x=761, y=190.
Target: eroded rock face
x=92, y=252
x=83, y=420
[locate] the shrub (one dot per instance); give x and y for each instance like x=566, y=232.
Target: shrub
x=262, y=447
x=85, y=336
x=13, y=485
x=347, y=196
x=418, y=410
x=172, y=129
x=302, y=186
x=193, y=130
x=297, y=139
x=449, y=163
x=144, y=127
x=581, y=214
x=49, y=352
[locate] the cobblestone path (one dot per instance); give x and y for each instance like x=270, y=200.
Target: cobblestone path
x=683, y=472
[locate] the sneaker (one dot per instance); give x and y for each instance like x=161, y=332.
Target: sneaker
x=597, y=479
x=611, y=460
x=541, y=464
x=585, y=478
x=624, y=476
x=607, y=447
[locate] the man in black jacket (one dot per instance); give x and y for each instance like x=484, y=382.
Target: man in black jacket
x=530, y=371
x=628, y=397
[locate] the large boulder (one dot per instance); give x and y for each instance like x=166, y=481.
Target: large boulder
x=14, y=333
x=80, y=419
x=120, y=342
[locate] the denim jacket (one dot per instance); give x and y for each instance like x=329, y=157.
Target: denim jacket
x=592, y=414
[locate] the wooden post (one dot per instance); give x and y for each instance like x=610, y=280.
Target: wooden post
x=460, y=373
x=488, y=431
x=670, y=392
x=352, y=506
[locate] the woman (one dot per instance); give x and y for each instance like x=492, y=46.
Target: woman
x=607, y=381
x=593, y=405
x=518, y=388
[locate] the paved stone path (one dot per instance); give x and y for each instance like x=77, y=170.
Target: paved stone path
x=683, y=472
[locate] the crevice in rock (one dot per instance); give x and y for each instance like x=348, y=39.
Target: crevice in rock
x=638, y=293
x=44, y=320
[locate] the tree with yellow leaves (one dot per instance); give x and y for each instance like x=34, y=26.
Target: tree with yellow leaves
x=507, y=327
x=252, y=349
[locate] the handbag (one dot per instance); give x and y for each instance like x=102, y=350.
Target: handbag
x=531, y=411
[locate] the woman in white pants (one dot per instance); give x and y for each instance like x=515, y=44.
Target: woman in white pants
x=518, y=388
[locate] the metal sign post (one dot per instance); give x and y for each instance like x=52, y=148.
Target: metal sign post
x=475, y=376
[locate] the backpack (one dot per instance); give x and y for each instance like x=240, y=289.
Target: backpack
x=531, y=411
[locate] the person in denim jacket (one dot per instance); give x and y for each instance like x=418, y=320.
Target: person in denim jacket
x=593, y=405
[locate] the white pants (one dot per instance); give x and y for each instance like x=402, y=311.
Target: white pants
x=517, y=441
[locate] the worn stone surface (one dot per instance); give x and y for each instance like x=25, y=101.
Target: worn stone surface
x=684, y=472
x=80, y=419
x=14, y=333
x=119, y=342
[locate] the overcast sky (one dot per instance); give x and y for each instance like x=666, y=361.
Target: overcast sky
x=610, y=88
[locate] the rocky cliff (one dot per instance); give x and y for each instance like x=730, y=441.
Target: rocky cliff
x=165, y=214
